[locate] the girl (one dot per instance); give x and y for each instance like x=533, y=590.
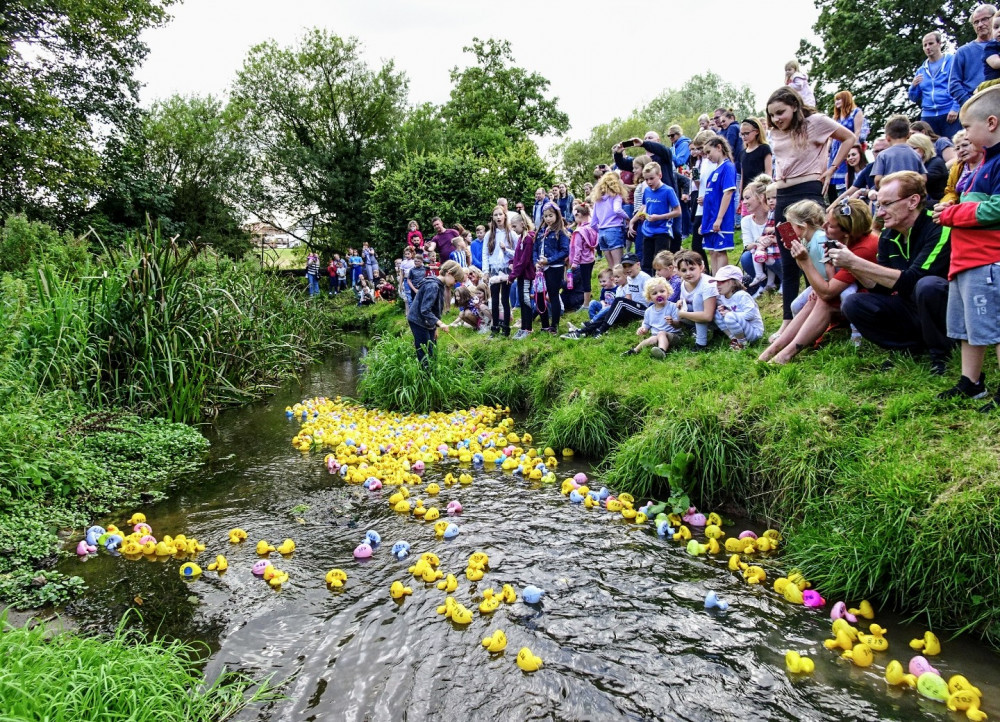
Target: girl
x=425, y=312
x=523, y=271
x=799, y=136
x=609, y=217
x=663, y=266
x=638, y=197
x=582, y=244
x=699, y=173
x=796, y=78
x=757, y=159
x=736, y=313
x=468, y=307
x=404, y=274
x=698, y=297
x=851, y=117
x=757, y=259
x=550, y=254
x=498, y=250
x=806, y=218
x=414, y=238
x=718, y=209
x=656, y=321
x=848, y=223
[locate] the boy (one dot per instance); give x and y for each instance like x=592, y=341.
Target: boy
x=341, y=265
x=898, y=156
x=660, y=204
x=416, y=275
x=974, y=274
x=607, y=295
x=630, y=306
x=663, y=266
x=476, y=247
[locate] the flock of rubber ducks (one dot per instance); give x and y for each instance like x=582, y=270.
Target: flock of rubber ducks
x=141, y=544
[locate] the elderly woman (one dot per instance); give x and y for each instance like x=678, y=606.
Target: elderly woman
x=848, y=223
x=968, y=156
x=937, y=171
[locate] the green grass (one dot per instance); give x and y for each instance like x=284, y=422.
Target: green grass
x=882, y=491
x=65, y=677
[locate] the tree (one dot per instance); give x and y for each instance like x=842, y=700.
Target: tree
x=317, y=123
x=873, y=49
x=461, y=187
x=66, y=70
x=699, y=94
x=494, y=101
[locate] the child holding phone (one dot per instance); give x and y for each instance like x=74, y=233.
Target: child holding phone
x=805, y=219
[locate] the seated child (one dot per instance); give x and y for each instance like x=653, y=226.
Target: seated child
x=364, y=292
x=657, y=322
x=607, y=294
x=663, y=266
x=697, y=302
x=736, y=313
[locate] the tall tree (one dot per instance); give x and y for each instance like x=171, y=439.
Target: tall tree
x=66, y=70
x=318, y=122
x=873, y=48
x=495, y=101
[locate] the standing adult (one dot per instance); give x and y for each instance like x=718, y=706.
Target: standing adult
x=566, y=203
x=680, y=146
x=312, y=272
x=444, y=238
x=427, y=308
x=851, y=117
x=371, y=262
x=540, y=201
x=929, y=88
x=906, y=307
x=967, y=68
x=731, y=132
x=511, y=215
x=799, y=136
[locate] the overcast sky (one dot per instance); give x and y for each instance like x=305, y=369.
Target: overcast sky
x=579, y=46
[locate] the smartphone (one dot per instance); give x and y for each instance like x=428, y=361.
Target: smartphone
x=829, y=245
x=786, y=233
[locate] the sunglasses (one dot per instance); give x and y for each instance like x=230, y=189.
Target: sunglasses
x=845, y=208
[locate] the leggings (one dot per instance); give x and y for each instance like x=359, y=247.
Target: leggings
x=586, y=276
x=553, y=309
x=651, y=245
x=500, y=292
x=790, y=271
x=523, y=294
x=696, y=237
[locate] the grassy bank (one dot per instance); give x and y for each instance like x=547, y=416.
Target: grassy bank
x=883, y=492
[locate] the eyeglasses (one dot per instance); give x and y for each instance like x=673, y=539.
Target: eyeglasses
x=887, y=204
x=673, y=135
x=746, y=133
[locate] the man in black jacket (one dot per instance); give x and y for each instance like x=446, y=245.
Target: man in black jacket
x=661, y=154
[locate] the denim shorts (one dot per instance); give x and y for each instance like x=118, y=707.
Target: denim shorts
x=974, y=305
x=609, y=239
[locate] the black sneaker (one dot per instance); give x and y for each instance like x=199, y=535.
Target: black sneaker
x=699, y=347
x=990, y=406
x=966, y=388
x=630, y=352
x=939, y=366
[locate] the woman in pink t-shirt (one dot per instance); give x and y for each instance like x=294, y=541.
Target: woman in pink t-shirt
x=798, y=139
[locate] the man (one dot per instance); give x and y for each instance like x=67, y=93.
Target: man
x=967, y=68
x=511, y=215
x=929, y=89
x=898, y=155
x=444, y=246
x=536, y=213
x=906, y=307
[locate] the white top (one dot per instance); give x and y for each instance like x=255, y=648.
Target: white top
x=751, y=230
x=705, y=170
x=634, y=288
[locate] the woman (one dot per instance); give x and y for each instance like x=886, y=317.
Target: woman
x=565, y=201
x=848, y=223
x=851, y=117
x=937, y=171
x=757, y=159
x=425, y=312
x=942, y=146
x=371, y=262
x=856, y=162
x=968, y=158
x=798, y=137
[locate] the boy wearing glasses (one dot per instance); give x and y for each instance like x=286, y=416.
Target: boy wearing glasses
x=974, y=274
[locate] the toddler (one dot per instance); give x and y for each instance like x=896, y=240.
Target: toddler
x=657, y=321
x=663, y=266
x=736, y=313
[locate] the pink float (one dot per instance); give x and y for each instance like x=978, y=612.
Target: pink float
x=83, y=548
x=580, y=478
x=919, y=665
x=839, y=611
x=747, y=535
x=455, y=507
x=363, y=551
x=811, y=598
x=259, y=566
x=418, y=466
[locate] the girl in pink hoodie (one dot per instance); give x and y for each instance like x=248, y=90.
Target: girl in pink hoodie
x=582, y=245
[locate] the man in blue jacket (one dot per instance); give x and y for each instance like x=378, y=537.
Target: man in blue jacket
x=967, y=69
x=929, y=89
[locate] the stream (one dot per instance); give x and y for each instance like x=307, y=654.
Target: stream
x=622, y=629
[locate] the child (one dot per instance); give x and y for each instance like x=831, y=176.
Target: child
x=991, y=57
x=331, y=272
x=663, y=267
x=736, y=313
x=341, y=272
x=631, y=305
x=973, y=290
x=458, y=255
x=718, y=211
x=657, y=322
x=416, y=275
x=414, y=238
x=660, y=206
x=807, y=219
x=364, y=292
x=551, y=250
x=522, y=271
x=476, y=247
x=357, y=265
x=582, y=245
x=425, y=312
x=498, y=251
x=468, y=307
x=609, y=217
x=607, y=295
x=698, y=300
x=405, y=266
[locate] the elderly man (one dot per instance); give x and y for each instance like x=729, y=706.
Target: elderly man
x=967, y=68
x=929, y=89
x=905, y=309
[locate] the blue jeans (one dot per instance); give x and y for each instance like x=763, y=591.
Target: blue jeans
x=424, y=341
x=313, y=283
x=746, y=261
x=594, y=308
x=940, y=125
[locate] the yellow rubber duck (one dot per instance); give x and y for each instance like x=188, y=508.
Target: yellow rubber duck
x=431, y=558
x=264, y=548
x=479, y=559
x=896, y=675
x=842, y=624
x=535, y=474
x=433, y=489
x=763, y=544
x=402, y=506
x=430, y=574
x=713, y=519
x=419, y=509
x=640, y=518
x=461, y=615
x=473, y=574
x=507, y=594
x=418, y=569
x=929, y=644
x=796, y=578
x=449, y=584
x=734, y=545
x=336, y=578
x=396, y=498
x=626, y=498
x=163, y=549
x=734, y=566
x=131, y=547
x=149, y=548
x=755, y=575
x=441, y=527
x=840, y=641
x=398, y=591
x=876, y=640
x=567, y=487
x=713, y=546
x=966, y=701
x=286, y=547
x=448, y=607
x=860, y=654
x=864, y=610
x=628, y=513
x=589, y=503
x=792, y=593
x=957, y=683
x=432, y=514
x=683, y=534
x=277, y=577
x=496, y=642
x=219, y=565
x=489, y=605
x=137, y=518
x=465, y=479
x=714, y=531
x=528, y=661
x=567, y=452
x=449, y=479
x=797, y=664
x=613, y=505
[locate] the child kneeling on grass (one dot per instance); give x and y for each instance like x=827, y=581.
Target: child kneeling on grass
x=736, y=313
x=698, y=300
x=657, y=322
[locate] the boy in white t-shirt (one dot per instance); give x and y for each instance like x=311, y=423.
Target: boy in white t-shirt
x=629, y=307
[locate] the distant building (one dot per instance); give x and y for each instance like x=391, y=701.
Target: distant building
x=264, y=234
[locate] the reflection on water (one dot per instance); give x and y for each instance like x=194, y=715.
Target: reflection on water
x=622, y=628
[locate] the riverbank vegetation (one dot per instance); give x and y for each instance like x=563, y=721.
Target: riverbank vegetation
x=882, y=491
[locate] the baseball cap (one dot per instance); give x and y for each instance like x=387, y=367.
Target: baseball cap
x=727, y=273
x=629, y=259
